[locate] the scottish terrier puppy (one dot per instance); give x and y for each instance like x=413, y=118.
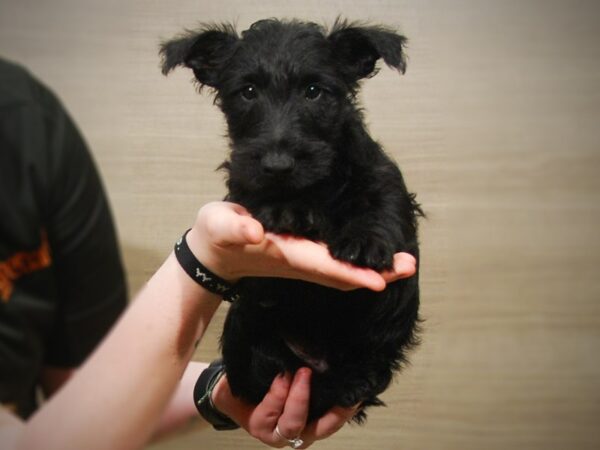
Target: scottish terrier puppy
x=302, y=162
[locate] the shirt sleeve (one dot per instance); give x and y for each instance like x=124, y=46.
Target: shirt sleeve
x=87, y=265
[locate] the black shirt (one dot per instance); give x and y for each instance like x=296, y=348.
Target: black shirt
x=62, y=283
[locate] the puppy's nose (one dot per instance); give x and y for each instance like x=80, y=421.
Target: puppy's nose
x=277, y=163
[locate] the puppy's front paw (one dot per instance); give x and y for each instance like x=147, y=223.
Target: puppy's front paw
x=364, y=250
x=286, y=220
x=268, y=216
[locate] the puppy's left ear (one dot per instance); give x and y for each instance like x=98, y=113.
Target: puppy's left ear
x=359, y=47
x=204, y=51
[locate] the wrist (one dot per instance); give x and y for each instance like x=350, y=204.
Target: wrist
x=220, y=394
x=201, y=274
x=204, y=397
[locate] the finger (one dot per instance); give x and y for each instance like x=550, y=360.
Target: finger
x=262, y=420
x=405, y=266
x=295, y=412
x=225, y=402
x=241, y=210
x=253, y=418
x=345, y=276
x=231, y=224
x=313, y=262
x=328, y=424
x=251, y=231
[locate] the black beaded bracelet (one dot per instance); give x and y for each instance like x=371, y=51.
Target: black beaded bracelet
x=201, y=274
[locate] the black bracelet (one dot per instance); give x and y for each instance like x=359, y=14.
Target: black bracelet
x=203, y=389
x=200, y=273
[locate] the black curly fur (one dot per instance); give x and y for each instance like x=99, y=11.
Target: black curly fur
x=302, y=162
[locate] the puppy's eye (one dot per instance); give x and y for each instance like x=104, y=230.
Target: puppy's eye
x=249, y=92
x=312, y=92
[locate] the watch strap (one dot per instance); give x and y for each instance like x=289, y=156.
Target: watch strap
x=203, y=389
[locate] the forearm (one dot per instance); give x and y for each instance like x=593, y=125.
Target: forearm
x=181, y=413
x=11, y=427
x=116, y=399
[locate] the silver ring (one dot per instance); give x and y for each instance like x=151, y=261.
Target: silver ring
x=294, y=443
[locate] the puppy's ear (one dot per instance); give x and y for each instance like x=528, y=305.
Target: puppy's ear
x=204, y=51
x=359, y=47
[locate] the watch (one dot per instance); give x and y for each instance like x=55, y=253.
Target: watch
x=207, y=381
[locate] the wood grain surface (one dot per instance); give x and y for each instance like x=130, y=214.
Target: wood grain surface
x=496, y=126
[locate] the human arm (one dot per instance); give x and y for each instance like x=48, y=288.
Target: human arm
x=11, y=426
x=293, y=422
x=116, y=399
x=259, y=421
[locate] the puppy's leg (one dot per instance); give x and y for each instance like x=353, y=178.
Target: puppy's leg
x=378, y=221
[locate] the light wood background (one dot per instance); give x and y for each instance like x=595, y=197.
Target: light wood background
x=496, y=126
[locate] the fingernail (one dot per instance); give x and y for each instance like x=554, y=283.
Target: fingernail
x=404, y=263
x=304, y=374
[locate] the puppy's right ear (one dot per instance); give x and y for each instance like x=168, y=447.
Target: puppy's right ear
x=204, y=51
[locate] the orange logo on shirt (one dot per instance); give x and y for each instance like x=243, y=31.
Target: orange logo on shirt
x=22, y=263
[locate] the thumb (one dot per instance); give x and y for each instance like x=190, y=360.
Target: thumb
x=229, y=224
x=250, y=231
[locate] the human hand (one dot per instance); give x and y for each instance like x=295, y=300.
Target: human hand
x=227, y=240
x=282, y=412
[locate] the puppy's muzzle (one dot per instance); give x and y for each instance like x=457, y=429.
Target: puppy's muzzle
x=277, y=164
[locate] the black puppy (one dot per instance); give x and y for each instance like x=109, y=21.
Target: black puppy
x=302, y=162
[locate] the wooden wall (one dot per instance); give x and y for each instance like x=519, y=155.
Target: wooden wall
x=496, y=125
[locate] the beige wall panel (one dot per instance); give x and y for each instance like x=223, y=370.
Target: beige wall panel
x=496, y=125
